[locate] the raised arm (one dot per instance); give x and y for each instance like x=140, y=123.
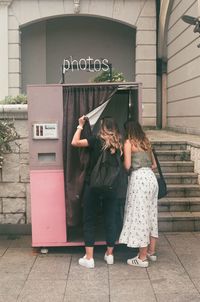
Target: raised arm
x=76, y=140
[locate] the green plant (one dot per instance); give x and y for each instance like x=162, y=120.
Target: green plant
x=105, y=77
x=8, y=134
x=19, y=99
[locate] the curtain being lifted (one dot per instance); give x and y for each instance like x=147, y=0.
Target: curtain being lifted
x=78, y=101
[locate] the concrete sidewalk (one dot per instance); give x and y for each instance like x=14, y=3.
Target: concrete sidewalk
x=28, y=276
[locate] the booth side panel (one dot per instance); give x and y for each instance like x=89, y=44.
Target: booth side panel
x=48, y=207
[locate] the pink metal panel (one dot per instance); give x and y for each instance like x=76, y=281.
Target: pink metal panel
x=45, y=105
x=48, y=207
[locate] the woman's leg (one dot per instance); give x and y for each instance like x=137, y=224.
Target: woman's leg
x=143, y=253
x=152, y=245
x=89, y=215
x=109, y=250
x=89, y=252
x=151, y=253
x=110, y=204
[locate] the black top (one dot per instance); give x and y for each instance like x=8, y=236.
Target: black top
x=95, y=145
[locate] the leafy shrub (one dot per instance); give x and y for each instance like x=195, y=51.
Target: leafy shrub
x=105, y=77
x=19, y=99
x=8, y=134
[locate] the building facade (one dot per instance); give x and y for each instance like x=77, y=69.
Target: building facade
x=183, y=73
x=146, y=40
x=38, y=35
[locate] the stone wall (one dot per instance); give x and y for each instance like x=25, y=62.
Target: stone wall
x=14, y=175
x=183, y=78
x=195, y=156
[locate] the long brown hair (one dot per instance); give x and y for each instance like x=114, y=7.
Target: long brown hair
x=136, y=135
x=109, y=133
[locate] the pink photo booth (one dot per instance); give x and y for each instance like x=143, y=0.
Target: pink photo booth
x=49, y=205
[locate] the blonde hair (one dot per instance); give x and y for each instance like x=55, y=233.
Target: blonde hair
x=137, y=136
x=141, y=144
x=109, y=133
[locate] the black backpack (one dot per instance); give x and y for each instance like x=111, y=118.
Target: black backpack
x=106, y=172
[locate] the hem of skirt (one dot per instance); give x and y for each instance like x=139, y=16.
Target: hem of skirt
x=138, y=245
x=134, y=245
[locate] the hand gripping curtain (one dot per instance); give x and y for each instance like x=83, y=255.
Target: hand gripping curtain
x=78, y=101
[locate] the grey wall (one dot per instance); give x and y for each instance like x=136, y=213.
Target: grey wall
x=109, y=39
x=79, y=37
x=33, y=54
x=82, y=37
x=183, y=70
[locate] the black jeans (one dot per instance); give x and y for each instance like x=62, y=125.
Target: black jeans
x=110, y=209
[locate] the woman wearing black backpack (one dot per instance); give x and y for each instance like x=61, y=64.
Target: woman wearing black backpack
x=108, y=139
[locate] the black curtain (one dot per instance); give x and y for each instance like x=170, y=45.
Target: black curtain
x=78, y=101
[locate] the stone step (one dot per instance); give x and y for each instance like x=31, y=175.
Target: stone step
x=181, y=178
x=177, y=166
x=183, y=190
x=180, y=209
x=176, y=155
x=177, y=204
x=169, y=145
x=179, y=221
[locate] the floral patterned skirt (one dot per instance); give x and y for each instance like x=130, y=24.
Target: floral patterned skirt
x=141, y=209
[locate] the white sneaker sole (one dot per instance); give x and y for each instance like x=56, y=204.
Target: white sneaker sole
x=134, y=263
x=109, y=261
x=85, y=264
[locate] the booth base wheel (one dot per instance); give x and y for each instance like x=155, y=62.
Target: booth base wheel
x=44, y=250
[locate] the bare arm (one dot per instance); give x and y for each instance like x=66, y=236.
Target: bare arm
x=76, y=140
x=154, y=165
x=127, y=155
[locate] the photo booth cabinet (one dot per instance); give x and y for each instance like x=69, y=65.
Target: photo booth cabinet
x=57, y=169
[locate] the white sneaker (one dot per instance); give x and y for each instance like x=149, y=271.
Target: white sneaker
x=109, y=259
x=136, y=261
x=89, y=263
x=152, y=257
